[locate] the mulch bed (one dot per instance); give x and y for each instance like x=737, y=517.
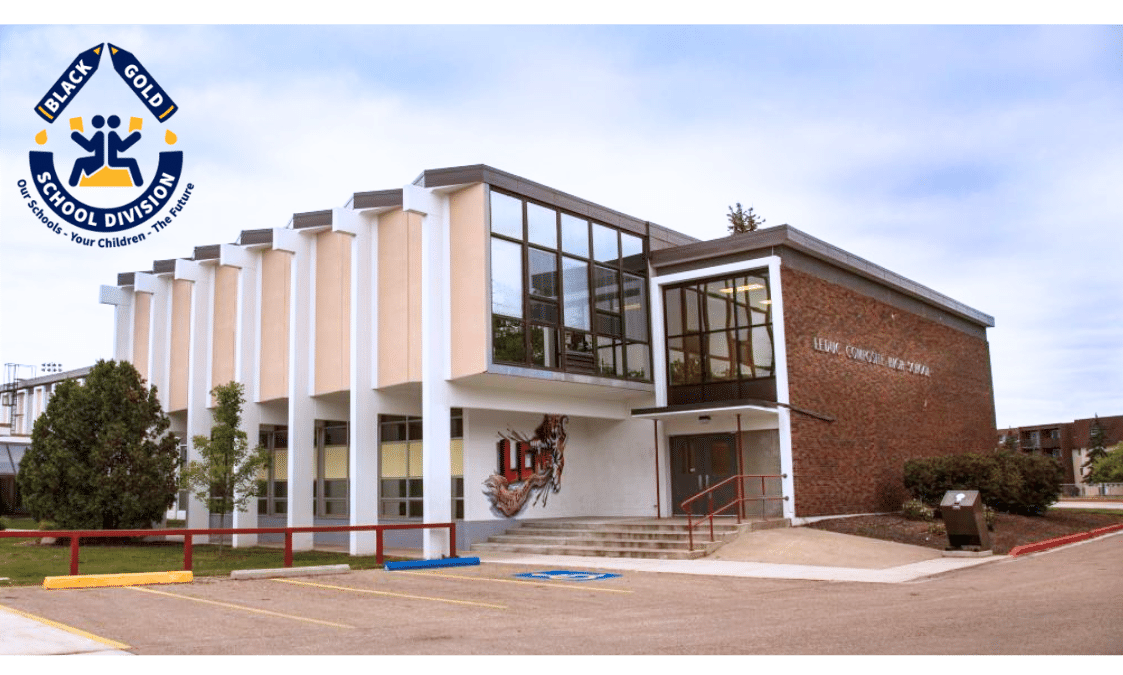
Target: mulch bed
x=1009, y=530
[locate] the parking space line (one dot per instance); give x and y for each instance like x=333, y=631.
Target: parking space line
x=515, y=581
x=241, y=607
x=69, y=629
x=388, y=593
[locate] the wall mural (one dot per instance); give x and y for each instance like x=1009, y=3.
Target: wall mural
x=528, y=465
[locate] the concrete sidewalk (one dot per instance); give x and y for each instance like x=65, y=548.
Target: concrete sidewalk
x=23, y=634
x=787, y=553
x=1088, y=504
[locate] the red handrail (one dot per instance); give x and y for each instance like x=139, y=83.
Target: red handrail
x=688, y=503
x=76, y=535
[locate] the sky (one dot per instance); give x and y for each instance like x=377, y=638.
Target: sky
x=982, y=161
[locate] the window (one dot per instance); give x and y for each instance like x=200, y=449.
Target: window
x=273, y=497
x=329, y=491
x=400, y=449
x=567, y=293
x=719, y=339
x=182, y=496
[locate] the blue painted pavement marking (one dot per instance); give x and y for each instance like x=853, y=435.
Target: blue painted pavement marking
x=567, y=575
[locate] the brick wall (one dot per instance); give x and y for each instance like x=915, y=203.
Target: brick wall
x=883, y=415
x=1082, y=431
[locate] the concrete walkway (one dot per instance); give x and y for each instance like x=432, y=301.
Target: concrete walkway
x=1088, y=504
x=786, y=553
x=23, y=634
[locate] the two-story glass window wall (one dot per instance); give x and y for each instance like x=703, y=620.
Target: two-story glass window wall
x=719, y=339
x=567, y=293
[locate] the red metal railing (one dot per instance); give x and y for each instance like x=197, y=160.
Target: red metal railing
x=76, y=535
x=738, y=501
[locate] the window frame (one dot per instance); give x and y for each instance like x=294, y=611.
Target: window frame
x=267, y=501
x=600, y=320
x=414, y=503
x=699, y=330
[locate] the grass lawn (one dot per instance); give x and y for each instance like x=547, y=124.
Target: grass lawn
x=25, y=562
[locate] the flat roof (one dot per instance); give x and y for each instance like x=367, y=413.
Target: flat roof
x=733, y=247
x=51, y=378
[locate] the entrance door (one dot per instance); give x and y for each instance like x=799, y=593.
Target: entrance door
x=699, y=462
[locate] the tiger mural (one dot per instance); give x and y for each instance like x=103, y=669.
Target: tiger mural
x=536, y=469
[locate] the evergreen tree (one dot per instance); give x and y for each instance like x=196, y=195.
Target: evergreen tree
x=100, y=457
x=1097, y=443
x=1010, y=441
x=741, y=220
x=226, y=477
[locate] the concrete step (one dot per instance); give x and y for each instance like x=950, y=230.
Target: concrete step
x=613, y=533
x=602, y=542
x=630, y=531
x=643, y=526
x=596, y=551
x=668, y=539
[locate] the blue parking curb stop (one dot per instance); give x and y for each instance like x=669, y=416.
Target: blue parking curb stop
x=438, y=562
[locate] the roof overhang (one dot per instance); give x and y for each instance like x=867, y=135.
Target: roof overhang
x=742, y=406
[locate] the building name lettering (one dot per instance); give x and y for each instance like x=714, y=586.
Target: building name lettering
x=869, y=356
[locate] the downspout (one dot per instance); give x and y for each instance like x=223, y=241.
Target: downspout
x=658, y=492
x=740, y=472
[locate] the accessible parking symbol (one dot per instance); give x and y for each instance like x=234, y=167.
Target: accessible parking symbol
x=566, y=575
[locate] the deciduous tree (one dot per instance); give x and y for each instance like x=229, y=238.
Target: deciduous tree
x=226, y=476
x=1109, y=468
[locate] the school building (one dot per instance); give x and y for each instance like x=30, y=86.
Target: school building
x=480, y=347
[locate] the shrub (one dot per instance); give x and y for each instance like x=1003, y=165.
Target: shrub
x=1038, y=483
x=938, y=529
x=914, y=509
x=3, y=524
x=1011, y=482
x=890, y=494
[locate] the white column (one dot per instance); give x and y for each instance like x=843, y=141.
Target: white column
x=245, y=343
x=159, y=331
x=435, y=347
x=199, y=417
x=363, y=486
x=122, y=301
x=780, y=351
x=301, y=406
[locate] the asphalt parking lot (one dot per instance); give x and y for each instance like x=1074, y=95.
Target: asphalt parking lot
x=1060, y=602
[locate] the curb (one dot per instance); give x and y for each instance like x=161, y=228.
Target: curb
x=1061, y=541
x=130, y=579
x=311, y=571
x=423, y=564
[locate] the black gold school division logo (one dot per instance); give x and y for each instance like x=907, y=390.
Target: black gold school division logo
x=108, y=149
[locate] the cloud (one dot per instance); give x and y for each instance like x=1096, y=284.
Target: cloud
x=980, y=161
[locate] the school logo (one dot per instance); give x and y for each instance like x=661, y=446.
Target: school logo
x=96, y=170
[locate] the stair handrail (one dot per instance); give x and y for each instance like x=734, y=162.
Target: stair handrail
x=688, y=503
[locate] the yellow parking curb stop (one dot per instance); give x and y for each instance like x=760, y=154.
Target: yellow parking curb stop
x=134, y=579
